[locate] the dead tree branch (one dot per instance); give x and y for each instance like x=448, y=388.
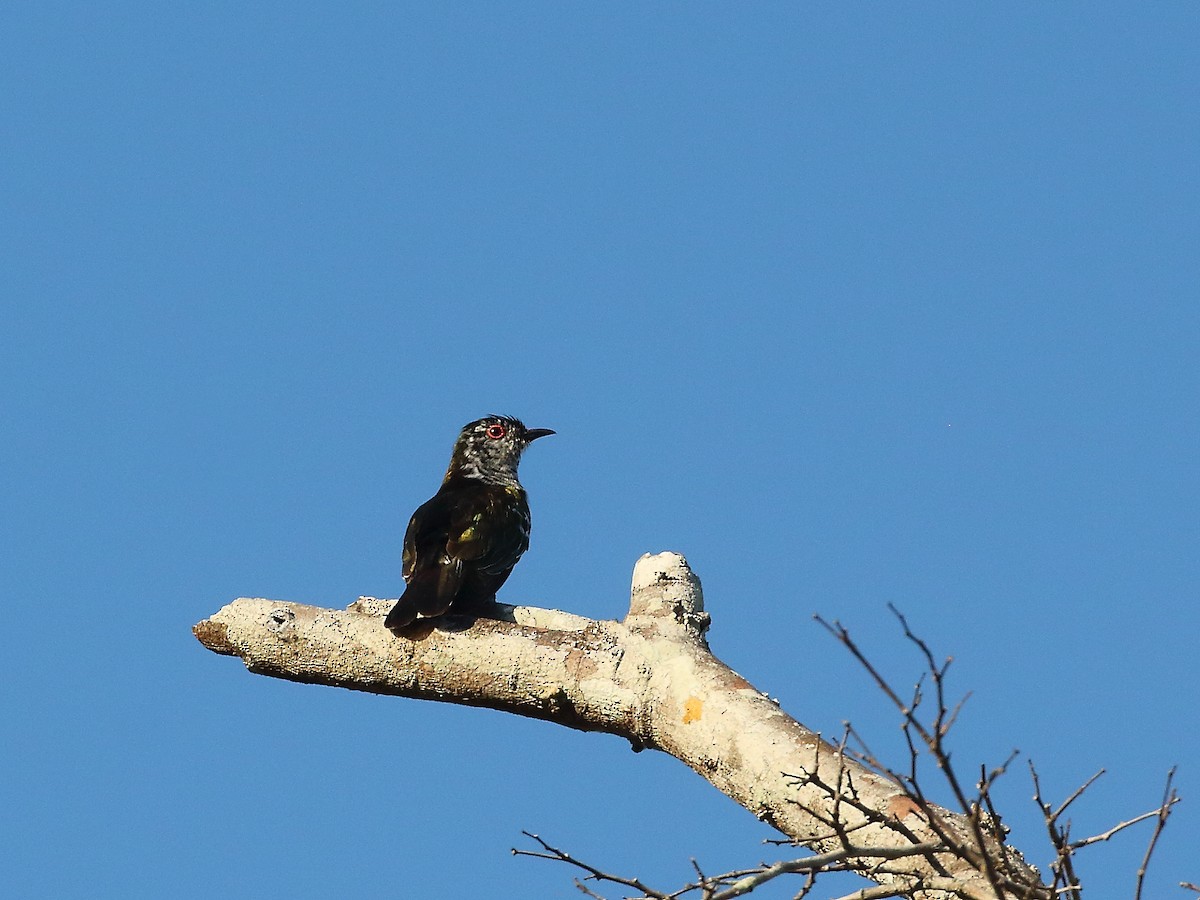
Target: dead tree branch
x=652, y=680
x=926, y=737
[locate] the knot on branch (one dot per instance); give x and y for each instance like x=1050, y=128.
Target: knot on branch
x=282, y=623
x=667, y=594
x=556, y=700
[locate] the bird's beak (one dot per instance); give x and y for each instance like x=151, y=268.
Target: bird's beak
x=532, y=434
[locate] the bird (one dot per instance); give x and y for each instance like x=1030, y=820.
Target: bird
x=462, y=543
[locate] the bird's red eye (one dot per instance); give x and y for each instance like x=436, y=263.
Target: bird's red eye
x=495, y=432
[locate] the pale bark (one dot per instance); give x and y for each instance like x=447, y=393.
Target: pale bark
x=649, y=678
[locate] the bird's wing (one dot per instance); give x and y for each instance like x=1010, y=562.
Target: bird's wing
x=426, y=536
x=495, y=532
x=470, y=537
x=455, y=523
x=486, y=527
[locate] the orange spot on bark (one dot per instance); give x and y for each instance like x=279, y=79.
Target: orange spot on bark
x=691, y=710
x=900, y=806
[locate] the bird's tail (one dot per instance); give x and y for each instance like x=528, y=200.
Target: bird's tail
x=430, y=593
x=403, y=613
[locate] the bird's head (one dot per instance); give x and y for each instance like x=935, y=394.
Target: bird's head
x=490, y=449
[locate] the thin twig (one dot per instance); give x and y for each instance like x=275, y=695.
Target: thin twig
x=833, y=861
x=1064, y=872
x=1076, y=795
x=1170, y=798
x=554, y=853
x=1119, y=827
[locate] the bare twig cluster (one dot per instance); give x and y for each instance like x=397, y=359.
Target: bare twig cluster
x=929, y=739
x=984, y=828
x=1066, y=882
x=976, y=839
x=739, y=882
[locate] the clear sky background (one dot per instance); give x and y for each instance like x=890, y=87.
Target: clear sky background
x=850, y=305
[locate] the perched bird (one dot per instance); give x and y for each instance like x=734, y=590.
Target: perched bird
x=462, y=543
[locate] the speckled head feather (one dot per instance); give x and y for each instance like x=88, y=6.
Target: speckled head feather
x=489, y=449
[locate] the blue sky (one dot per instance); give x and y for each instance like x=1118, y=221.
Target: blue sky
x=849, y=305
